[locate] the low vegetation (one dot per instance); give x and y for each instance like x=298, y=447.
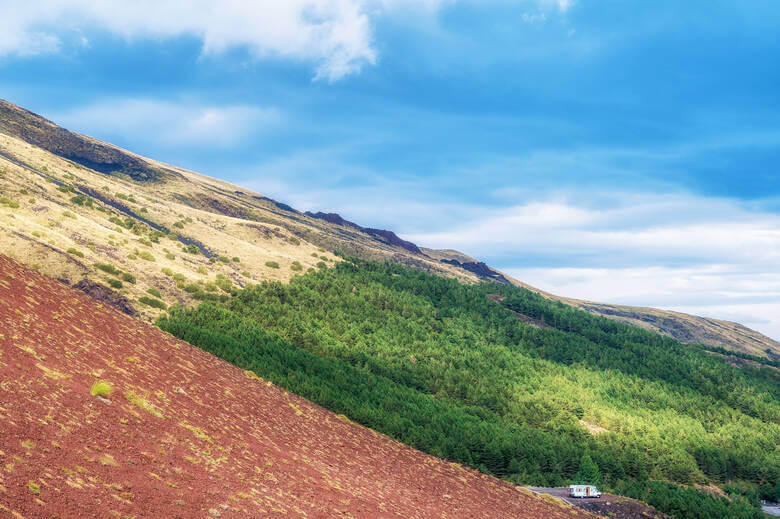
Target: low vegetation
x=101, y=388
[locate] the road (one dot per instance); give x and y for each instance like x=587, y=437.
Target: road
x=771, y=510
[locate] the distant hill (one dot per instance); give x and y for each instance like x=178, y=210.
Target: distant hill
x=75, y=207
x=104, y=415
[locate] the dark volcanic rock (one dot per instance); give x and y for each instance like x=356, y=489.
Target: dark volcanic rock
x=480, y=269
x=382, y=235
x=105, y=295
x=93, y=154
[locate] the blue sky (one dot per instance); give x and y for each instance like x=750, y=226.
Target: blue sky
x=617, y=151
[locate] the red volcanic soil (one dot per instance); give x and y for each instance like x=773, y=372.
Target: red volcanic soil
x=185, y=434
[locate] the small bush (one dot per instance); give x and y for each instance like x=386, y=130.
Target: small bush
x=192, y=249
x=66, y=214
x=223, y=259
x=296, y=266
x=101, y=388
x=294, y=240
x=115, y=283
x=236, y=259
x=75, y=252
x=179, y=276
x=272, y=264
x=107, y=267
x=156, y=303
x=153, y=291
x=168, y=272
x=34, y=487
x=8, y=202
x=128, y=277
x=246, y=274
x=202, y=270
x=146, y=242
x=170, y=256
x=145, y=254
x=322, y=265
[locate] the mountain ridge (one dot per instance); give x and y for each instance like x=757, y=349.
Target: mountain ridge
x=221, y=220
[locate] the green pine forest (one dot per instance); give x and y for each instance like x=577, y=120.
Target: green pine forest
x=445, y=368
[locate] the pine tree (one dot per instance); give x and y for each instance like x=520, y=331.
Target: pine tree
x=588, y=474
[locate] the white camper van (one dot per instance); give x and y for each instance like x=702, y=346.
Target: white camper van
x=583, y=491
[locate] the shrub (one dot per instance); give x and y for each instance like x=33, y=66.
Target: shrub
x=101, y=388
x=192, y=249
x=202, y=270
x=223, y=259
x=145, y=254
x=294, y=240
x=322, y=265
x=115, y=283
x=153, y=291
x=75, y=252
x=146, y=242
x=107, y=267
x=272, y=264
x=168, y=272
x=246, y=274
x=155, y=303
x=66, y=214
x=128, y=277
x=10, y=203
x=314, y=255
x=179, y=276
x=236, y=259
x=170, y=256
x=296, y=266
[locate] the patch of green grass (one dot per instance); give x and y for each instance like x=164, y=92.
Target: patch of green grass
x=296, y=266
x=145, y=254
x=155, y=303
x=170, y=256
x=140, y=401
x=101, y=388
x=68, y=214
x=236, y=259
x=168, y=272
x=223, y=259
x=153, y=291
x=246, y=274
x=294, y=240
x=202, y=270
x=107, y=267
x=322, y=265
x=128, y=277
x=34, y=487
x=115, y=283
x=272, y=264
x=75, y=252
x=8, y=202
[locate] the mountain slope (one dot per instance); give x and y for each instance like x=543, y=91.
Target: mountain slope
x=183, y=434
x=70, y=202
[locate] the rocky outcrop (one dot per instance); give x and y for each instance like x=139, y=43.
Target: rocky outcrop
x=382, y=235
x=105, y=295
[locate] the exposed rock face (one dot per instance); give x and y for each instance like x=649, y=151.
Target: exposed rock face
x=480, y=269
x=105, y=295
x=382, y=235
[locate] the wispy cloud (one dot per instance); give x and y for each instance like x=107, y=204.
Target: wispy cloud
x=171, y=123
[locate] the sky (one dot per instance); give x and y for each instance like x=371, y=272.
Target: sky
x=622, y=152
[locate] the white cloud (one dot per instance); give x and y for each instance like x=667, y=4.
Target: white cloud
x=335, y=35
x=170, y=123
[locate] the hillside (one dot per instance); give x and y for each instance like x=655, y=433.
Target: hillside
x=183, y=434
x=75, y=207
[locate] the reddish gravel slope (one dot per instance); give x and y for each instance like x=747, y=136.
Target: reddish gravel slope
x=185, y=434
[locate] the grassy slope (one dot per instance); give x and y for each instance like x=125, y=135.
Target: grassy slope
x=230, y=221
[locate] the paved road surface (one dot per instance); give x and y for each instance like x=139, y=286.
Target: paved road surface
x=771, y=510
